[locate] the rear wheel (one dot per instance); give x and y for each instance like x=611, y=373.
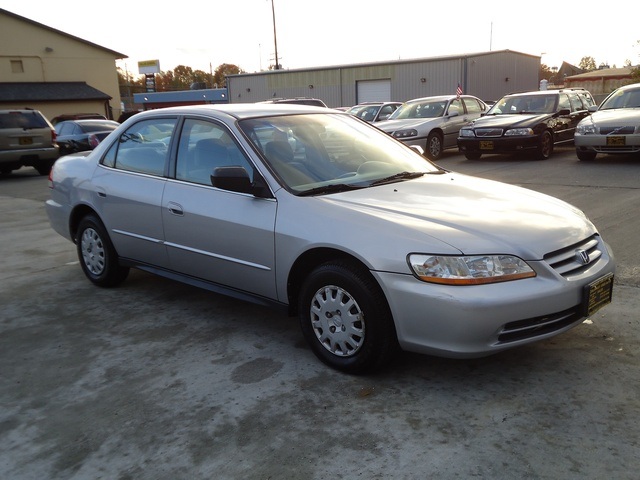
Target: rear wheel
x=345, y=318
x=44, y=167
x=545, y=147
x=585, y=156
x=98, y=258
x=434, y=146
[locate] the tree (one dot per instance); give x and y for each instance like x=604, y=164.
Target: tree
x=587, y=63
x=222, y=71
x=545, y=72
x=180, y=78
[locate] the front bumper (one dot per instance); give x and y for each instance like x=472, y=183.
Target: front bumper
x=498, y=144
x=607, y=143
x=475, y=321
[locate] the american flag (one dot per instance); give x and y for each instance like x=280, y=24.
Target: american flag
x=459, y=90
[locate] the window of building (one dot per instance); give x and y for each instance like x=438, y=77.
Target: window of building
x=17, y=66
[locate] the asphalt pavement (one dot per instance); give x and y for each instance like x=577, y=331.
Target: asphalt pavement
x=159, y=380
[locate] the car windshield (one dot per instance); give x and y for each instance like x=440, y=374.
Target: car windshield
x=365, y=112
x=327, y=153
x=622, y=99
x=524, y=104
x=429, y=109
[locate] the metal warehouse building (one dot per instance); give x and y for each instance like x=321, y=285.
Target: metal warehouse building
x=487, y=75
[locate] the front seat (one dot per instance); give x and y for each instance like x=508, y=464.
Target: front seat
x=208, y=154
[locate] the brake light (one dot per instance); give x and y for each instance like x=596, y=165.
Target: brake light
x=54, y=136
x=93, y=141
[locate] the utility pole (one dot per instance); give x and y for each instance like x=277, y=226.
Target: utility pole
x=275, y=41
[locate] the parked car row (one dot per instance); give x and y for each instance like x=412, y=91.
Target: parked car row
x=528, y=122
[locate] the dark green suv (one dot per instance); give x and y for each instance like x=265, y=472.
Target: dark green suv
x=26, y=139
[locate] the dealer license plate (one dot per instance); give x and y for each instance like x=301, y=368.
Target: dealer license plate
x=598, y=294
x=616, y=141
x=486, y=145
x=25, y=141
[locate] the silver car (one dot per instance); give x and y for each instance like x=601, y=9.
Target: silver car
x=321, y=214
x=613, y=127
x=433, y=123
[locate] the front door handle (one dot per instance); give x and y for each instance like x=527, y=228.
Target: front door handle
x=175, y=208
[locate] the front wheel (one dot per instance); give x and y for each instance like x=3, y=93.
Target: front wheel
x=98, y=257
x=434, y=146
x=472, y=155
x=345, y=318
x=545, y=147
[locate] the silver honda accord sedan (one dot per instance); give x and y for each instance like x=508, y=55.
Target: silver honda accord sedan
x=372, y=246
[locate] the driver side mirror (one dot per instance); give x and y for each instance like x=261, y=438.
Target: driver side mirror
x=236, y=179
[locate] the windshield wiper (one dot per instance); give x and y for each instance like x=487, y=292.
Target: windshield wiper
x=398, y=176
x=332, y=188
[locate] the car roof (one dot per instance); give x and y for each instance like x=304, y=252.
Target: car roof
x=546, y=92
x=90, y=121
x=239, y=110
x=631, y=86
x=435, y=98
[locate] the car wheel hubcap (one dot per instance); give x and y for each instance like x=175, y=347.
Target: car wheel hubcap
x=337, y=321
x=434, y=146
x=93, y=252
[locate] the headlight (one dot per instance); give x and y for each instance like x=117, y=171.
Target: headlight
x=467, y=132
x=469, y=270
x=518, y=132
x=586, y=129
x=412, y=132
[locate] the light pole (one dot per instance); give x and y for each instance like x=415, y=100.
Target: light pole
x=275, y=41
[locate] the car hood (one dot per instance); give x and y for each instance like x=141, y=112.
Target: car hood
x=616, y=117
x=510, y=120
x=393, y=125
x=457, y=213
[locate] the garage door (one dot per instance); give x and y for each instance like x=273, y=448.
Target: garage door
x=373, y=91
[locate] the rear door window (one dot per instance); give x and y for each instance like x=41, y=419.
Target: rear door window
x=143, y=148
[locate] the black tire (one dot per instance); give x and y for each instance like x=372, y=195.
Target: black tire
x=345, y=318
x=98, y=258
x=472, y=155
x=434, y=146
x=44, y=168
x=586, y=156
x=545, y=146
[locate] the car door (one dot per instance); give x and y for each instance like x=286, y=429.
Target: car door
x=453, y=123
x=563, y=126
x=130, y=182
x=578, y=112
x=212, y=234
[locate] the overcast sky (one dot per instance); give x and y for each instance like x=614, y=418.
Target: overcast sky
x=203, y=34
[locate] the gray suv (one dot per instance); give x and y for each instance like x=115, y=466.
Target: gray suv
x=26, y=139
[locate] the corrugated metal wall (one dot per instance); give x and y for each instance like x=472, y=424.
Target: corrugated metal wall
x=487, y=75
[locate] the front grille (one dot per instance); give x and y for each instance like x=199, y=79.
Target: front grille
x=571, y=260
x=628, y=130
x=534, y=327
x=488, y=132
